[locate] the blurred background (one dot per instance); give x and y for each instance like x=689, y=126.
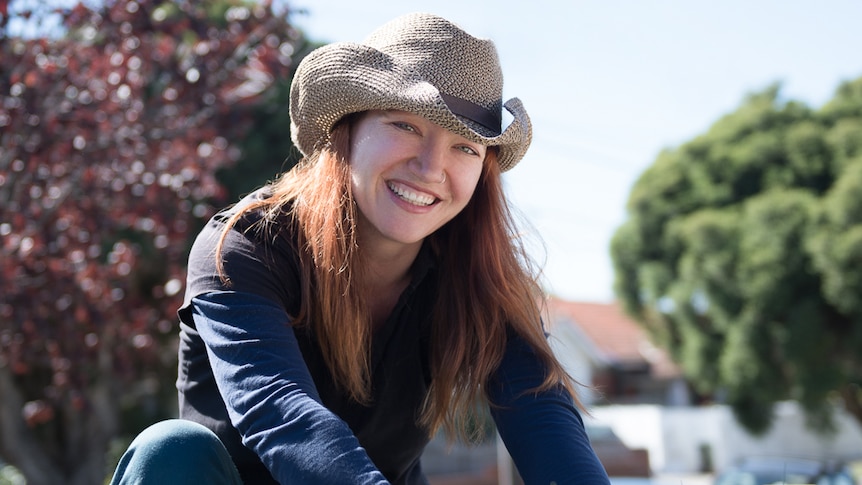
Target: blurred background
x=693, y=193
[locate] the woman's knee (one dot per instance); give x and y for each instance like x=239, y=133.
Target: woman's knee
x=176, y=452
x=177, y=437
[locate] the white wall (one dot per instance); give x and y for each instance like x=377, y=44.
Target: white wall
x=674, y=436
x=572, y=352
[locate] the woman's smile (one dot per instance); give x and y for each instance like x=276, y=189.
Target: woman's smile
x=410, y=196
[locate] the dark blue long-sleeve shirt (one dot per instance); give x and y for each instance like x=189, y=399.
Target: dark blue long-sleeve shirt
x=262, y=386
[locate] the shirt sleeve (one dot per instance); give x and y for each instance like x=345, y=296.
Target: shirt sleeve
x=270, y=395
x=542, y=431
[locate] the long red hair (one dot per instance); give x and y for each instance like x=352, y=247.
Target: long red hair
x=487, y=284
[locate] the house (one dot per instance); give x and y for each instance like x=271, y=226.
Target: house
x=637, y=391
x=634, y=390
x=612, y=356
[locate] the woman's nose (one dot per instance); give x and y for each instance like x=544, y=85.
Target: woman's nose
x=430, y=162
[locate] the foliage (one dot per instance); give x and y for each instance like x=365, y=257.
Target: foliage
x=10, y=476
x=112, y=136
x=742, y=255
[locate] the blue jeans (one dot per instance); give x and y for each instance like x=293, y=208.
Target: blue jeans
x=177, y=452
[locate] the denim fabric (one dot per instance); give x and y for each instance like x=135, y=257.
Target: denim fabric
x=176, y=452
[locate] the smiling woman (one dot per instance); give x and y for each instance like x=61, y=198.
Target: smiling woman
x=335, y=319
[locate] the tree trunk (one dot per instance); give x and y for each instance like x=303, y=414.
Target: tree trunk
x=91, y=430
x=18, y=444
x=851, y=394
x=86, y=431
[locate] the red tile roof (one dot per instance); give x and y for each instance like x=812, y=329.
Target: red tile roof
x=612, y=333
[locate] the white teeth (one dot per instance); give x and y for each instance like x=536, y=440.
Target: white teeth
x=410, y=196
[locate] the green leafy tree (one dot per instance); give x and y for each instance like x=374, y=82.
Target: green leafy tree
x=113, y=130
x=742, y=255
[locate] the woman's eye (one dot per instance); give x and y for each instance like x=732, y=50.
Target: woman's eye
x=403, y=126
x=468, y=150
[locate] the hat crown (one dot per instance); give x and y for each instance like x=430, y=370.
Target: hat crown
x=442, y=54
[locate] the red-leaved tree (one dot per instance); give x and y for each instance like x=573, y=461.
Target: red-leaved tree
x=111, y=133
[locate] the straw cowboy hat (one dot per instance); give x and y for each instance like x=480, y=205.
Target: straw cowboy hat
x=419, y=63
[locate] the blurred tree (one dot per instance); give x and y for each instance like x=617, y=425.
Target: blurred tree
x=112, y=135
x=742, y=255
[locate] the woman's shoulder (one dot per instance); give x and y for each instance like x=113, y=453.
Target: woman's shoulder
x=256, y=254
x=245, y=233
x=256, y=223
x=254, y=209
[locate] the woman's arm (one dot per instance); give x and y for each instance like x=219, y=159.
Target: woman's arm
x=270, y=395
x=543, y=431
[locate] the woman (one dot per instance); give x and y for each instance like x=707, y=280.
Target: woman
x=337, y=318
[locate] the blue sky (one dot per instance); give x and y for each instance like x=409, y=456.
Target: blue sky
x=608, y=84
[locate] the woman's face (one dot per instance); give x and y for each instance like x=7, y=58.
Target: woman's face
x=409, y=176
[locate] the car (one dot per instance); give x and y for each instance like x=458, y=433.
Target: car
x=777, y=470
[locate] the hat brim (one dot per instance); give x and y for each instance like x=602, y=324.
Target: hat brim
x=343, y=78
